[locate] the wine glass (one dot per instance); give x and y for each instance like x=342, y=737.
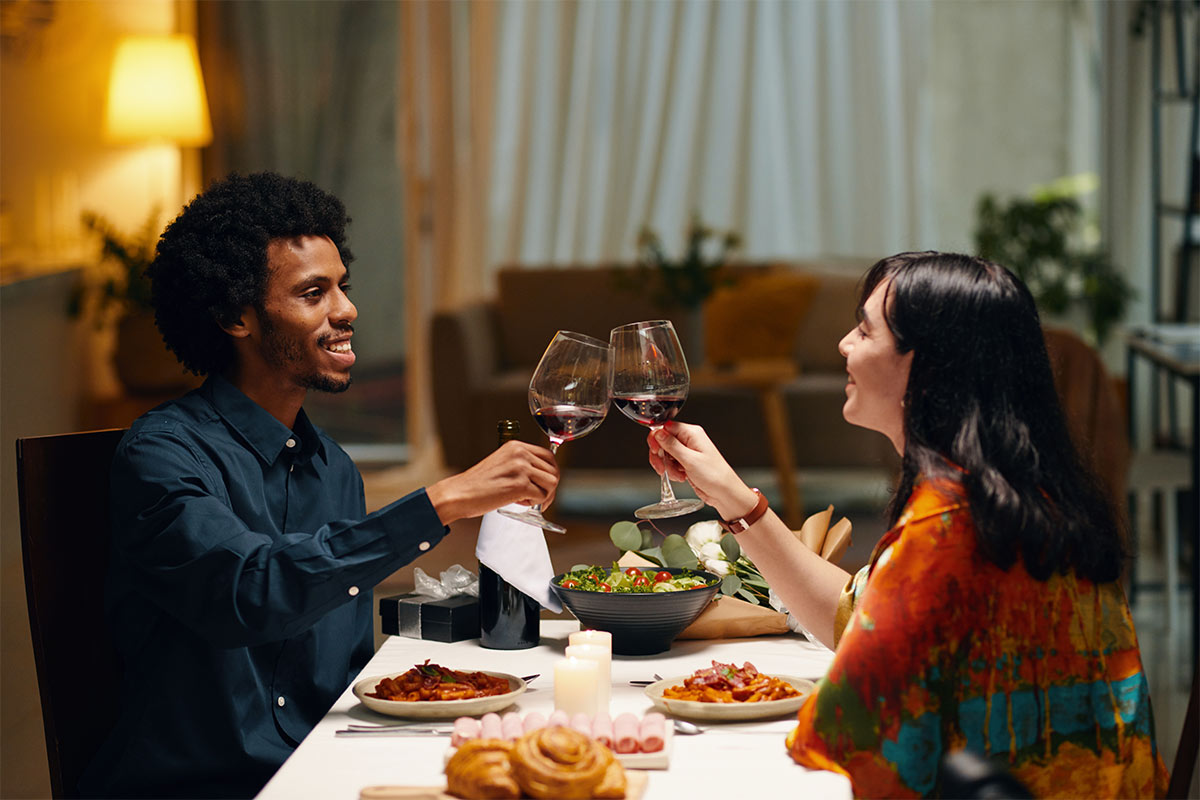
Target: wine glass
x=568, y=395
x=649, y=384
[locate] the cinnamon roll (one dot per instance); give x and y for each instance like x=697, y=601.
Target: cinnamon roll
x=565, y=764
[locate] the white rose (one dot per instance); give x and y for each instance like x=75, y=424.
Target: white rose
x=711, y=551
x=717, y=567
x=703, y=533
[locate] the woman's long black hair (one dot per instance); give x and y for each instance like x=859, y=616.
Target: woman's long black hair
x=981, y=398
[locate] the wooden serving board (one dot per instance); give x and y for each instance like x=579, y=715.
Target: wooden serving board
x=635, y=786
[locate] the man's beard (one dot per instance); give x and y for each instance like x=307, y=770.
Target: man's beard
x=281, y=351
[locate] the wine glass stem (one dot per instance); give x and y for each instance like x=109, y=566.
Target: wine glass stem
x=553, y=449
x=666, y=494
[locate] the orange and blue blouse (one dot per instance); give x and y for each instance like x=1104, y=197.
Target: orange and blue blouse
x=941, y=649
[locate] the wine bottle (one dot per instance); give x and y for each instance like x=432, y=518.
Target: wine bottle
x=508, y=618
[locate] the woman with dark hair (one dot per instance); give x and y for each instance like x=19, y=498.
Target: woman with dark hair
x=989, y=616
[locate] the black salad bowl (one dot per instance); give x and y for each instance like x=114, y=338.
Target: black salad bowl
x=640, y=624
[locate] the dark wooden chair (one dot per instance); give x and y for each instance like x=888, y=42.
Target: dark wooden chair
x=62, y=483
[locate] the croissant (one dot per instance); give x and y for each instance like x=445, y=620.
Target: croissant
x=481, y=770
x=564, y=764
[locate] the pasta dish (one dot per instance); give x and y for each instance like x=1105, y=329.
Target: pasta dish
x=726, y=683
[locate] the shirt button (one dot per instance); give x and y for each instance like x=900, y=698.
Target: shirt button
x=291, y=443
x=423, y=546
x=353, y=591
x=281, y=701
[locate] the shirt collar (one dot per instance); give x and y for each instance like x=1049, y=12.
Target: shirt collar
x=265, y=435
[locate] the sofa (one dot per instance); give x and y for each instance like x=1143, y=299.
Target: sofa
x=483, y=355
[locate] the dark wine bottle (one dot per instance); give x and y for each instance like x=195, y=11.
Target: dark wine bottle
x=508, y=618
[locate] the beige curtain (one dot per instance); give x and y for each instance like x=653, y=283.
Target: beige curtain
x=444, y=120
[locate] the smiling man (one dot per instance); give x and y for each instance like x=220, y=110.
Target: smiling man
x=243, y=557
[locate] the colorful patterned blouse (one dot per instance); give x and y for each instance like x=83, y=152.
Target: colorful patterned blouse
x=943, y=649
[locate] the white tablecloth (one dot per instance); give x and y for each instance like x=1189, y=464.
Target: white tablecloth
x=729, y=760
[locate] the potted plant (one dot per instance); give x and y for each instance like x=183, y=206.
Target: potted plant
x=687, y=281
x=116, y=291
x=1046, y=240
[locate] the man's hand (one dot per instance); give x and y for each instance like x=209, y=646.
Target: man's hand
x=517, y=472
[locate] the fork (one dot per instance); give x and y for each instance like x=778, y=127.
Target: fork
x=392, y=730
x=657, y=678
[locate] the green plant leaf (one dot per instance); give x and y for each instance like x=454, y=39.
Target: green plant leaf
x=731, y=584
x=730, y=547
x=626, y=535
x=653, y=554
x=647, y=538
x=749, y=597
x=677, y=553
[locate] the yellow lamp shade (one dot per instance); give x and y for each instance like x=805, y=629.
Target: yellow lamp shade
x=156, y=92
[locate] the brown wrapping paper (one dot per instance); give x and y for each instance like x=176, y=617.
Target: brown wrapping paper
x=734, y=618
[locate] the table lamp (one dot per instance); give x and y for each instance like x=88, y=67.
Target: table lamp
x=155, y=92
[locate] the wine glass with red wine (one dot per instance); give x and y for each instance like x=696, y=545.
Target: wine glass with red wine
x=649, y=384
x=568, y=395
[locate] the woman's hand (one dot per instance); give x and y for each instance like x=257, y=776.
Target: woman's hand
x=687, y=454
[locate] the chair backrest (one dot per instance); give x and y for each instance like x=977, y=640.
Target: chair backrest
x=62, y=483
x=1093, y=409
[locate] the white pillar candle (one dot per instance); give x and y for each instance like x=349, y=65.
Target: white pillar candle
x=602, y=638
x=603, y=658
x=576, y=686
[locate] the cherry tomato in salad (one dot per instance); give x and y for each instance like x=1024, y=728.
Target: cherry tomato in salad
x=570, y=583
x=659, y=577
x=641, y=580
x=632, y=572
x=604, y=587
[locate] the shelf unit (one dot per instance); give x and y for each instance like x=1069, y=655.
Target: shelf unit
x=1174, y=84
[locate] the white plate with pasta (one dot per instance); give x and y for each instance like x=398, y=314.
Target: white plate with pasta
x=728, y=710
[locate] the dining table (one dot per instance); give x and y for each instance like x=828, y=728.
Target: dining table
x=726, y=759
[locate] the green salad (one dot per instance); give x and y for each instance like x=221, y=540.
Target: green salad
x=631, y=580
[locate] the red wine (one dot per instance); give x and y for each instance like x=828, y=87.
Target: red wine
x=650, y=409
x=564, y=423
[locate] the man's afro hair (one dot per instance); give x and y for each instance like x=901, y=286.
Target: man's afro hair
x=211, y=262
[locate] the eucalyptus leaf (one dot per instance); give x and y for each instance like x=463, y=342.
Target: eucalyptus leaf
x=731, y=584
x=625, y=535
x=677, y=553
x=747, y=596
x=654, y=555
x=731, y=548
x=647, y=539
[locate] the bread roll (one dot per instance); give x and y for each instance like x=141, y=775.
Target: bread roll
x=565, y=764
x=481, y=769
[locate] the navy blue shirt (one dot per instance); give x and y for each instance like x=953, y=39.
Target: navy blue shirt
x=239, y=592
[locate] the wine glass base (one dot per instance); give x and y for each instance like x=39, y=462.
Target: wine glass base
x=674, y=508
x=531, y=517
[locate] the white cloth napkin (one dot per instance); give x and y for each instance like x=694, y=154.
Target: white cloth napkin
x=517, y=552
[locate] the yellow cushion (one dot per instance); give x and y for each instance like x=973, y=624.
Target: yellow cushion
x=759, y=317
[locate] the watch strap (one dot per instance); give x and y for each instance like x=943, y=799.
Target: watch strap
x=736, y=526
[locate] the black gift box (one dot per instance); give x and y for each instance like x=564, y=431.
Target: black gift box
x=421, y=617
